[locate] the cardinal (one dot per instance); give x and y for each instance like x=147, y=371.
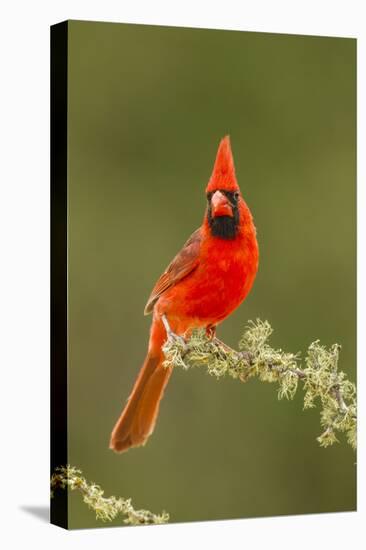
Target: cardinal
x=206, y=281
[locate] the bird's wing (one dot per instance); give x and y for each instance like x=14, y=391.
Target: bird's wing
x=184, y=262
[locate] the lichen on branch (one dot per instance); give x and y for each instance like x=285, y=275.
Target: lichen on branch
x=105, y=509
x=321, y=380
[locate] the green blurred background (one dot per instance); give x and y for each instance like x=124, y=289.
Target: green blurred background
x=147, y=108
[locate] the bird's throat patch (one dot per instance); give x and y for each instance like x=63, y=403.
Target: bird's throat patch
x=224, y=227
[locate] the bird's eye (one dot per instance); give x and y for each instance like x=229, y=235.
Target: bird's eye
x=236, y=195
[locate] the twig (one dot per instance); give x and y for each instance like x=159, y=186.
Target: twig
x=343, y=407
x=105, y=509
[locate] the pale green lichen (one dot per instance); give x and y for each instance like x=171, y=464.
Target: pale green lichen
x=105, y=509
x=336, y=394
x=322, y=382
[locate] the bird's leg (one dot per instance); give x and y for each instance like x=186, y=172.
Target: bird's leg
x=211, y=334
x=240, y=354
x=211, y=331
x=223, y=345
x=171, y=335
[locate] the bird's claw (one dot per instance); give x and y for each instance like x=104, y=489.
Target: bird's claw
x=175, y=338
x=223, y=345
x=172, y=336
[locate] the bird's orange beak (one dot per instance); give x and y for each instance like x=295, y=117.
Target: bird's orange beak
x=221, y=205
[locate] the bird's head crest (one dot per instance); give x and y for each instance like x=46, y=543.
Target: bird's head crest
x=223, y=174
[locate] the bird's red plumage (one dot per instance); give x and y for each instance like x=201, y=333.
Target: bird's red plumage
x=223, y=174
x=207, y=280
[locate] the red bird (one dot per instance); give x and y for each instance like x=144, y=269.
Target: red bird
x=204, y=283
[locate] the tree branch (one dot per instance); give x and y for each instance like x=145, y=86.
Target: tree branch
x=322, y=382
x=105, y=509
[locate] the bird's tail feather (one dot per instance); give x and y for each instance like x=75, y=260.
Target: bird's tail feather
x=138, y=418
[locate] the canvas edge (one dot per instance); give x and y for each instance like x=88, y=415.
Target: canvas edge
x=59, y=239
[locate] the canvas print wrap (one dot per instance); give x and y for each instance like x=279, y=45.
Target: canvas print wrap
x=206, y=179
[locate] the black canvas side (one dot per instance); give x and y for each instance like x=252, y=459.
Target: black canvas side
x=59, y=50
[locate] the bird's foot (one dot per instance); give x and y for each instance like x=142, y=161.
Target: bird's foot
x=223, y=345
x=211, y=332
x=172, y=336
x=248, y=358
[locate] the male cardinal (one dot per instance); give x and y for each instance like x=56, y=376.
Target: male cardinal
x=204, y=283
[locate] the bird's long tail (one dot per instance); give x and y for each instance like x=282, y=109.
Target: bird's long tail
x=138, y=418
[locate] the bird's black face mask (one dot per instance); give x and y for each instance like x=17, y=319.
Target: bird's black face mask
x=224, y=226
